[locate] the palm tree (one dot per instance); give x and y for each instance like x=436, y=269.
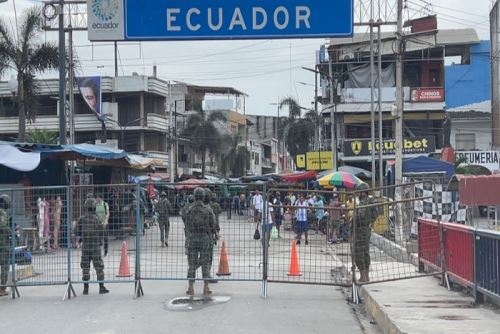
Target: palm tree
x=203, y=133
x=41, y=136
x=293, y=107
x=23, y=53
x=237, y=156
x=298, y=131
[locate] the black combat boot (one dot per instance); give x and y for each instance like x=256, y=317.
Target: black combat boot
x=85, y=288
x=102, y=289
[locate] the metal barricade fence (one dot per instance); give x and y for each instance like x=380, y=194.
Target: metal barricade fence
x=310, y=244
x=429, y=245
x=39, y=254
x=487, y=265
x=458, y=244
x=106, y=250
x=395, y=250
x=234, y=256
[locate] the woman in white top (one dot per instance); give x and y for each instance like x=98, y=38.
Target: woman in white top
x=301, y=217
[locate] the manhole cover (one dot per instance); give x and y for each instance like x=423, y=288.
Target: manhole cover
x=195, y=303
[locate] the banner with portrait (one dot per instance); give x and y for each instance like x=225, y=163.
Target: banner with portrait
x=90, y=89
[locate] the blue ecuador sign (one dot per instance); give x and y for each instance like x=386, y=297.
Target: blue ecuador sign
x=236, y=19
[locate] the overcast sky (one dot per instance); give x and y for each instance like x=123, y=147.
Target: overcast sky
x=266, y=70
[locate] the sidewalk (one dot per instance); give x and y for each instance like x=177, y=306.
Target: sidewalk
x=421, y=305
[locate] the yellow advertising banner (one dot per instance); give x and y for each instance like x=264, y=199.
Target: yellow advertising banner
x=319, y=160
x=301, y=161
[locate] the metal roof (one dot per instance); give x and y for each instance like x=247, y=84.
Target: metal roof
x=414, y=42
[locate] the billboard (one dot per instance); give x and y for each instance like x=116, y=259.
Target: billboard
x=487, y=159
x=363, y=147
x=216, y=20
x=315, y=160
x=90, y=89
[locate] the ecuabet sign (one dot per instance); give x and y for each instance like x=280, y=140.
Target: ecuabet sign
x=214, y=20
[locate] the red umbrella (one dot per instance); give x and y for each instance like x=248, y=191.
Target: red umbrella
x=190, y=184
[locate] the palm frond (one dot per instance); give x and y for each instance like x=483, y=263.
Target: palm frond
x=30, y=27
x=293, y=107
x=44, y=57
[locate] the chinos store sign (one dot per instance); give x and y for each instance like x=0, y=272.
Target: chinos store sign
x=217, y=20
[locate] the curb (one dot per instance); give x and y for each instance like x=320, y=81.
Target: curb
x=393, y=249
x=377, y=312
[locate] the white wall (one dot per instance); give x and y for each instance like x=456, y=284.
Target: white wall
x=481, y=128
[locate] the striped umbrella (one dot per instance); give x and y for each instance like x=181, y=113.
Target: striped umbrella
x=340, y=180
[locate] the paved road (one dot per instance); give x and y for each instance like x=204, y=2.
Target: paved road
x=289, y=308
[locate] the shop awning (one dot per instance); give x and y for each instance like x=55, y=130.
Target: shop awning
x=12, y=158
x=96, y=151
x=475, y=190
x=298, y=176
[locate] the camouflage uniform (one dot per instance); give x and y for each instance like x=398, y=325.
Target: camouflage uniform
x=90, y=230
x=183, y=214
x=5, y=233
x=164, y=208
x=364, y=221
x=200, y=225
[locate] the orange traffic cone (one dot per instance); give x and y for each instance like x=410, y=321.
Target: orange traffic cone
x=223, y=264
x=294, y=268
x=124, y=270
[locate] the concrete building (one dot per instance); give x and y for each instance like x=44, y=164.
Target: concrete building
x=269, y=154
x=137, y=110
x=423, y=82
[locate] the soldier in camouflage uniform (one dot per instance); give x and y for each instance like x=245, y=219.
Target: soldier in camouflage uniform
x=91, y=232
x=200, y=225
x=5, y=234
x=164, y=208
x=211, y=202
x=364, y=221
x=184, y=211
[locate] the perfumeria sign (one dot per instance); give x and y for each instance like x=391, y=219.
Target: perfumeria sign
x=215, y=20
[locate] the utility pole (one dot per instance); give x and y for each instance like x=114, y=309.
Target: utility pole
x=333, y=90
x=380, y=115
x=318, y=125
x=372, y=98
x=170, y=141
x=399, y=123
x=62, y=76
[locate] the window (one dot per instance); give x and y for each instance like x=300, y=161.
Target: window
x=465, y=141
x=257, y=158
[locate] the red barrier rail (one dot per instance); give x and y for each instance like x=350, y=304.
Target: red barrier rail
x=459, y=252
x=429, y=244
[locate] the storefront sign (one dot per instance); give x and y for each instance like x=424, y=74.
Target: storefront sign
x=363, y=147
x=216, y=20
x=427, y=95
x=315, y=160
x=488, y=159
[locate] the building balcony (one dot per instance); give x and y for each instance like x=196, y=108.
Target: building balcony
x=157, y=122
x=266, y=162
x=411, y=94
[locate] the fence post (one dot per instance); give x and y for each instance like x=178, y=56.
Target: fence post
x=354, y=295
x=70, y=292
x=13, y=289
x=138, y=232
x=265, y=250
x=478, y=296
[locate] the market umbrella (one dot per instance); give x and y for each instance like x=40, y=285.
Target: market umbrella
x=340, y=180
x=356, y=171
x=190, y=184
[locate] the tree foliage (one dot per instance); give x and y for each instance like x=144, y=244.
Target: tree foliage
x=23, y=53
x=203, y=134
x=298, y=132
x=41, y=136
x=236, y=157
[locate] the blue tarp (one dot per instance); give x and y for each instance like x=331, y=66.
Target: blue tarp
x=97, y=151
x=423, y=164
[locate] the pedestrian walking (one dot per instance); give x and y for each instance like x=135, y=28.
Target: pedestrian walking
x=90, y=231
x=200, y=224
x=5, y=234
x=278, y=212
x=164, y=208
x=335, y=214
x=301, y=207
x=365, y=217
